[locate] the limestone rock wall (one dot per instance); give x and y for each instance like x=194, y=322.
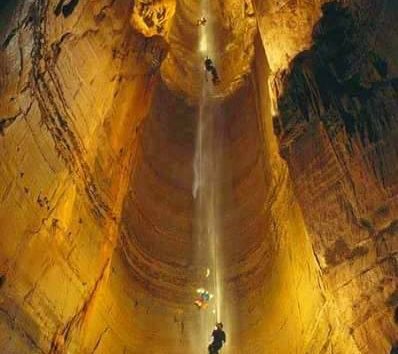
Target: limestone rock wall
x=231, y=27
x=337, y=129
x=97, y=127
x=285, y=28
x=73, y=92
x=282, y=298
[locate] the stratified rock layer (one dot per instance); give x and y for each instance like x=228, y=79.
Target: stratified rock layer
x=75, y=85
x=98, y=118
x=338, y=130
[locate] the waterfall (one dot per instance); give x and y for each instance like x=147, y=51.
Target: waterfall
x=207, y=189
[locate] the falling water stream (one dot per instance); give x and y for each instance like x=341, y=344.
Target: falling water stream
x=207, y=189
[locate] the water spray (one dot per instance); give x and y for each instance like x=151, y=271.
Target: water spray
x=206, y=191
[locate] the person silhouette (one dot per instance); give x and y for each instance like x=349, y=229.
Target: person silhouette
x=209, y=66
x=219, y=339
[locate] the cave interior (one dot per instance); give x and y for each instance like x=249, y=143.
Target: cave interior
x=129, y=179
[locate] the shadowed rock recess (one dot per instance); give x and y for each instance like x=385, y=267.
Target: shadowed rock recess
x=99, y=104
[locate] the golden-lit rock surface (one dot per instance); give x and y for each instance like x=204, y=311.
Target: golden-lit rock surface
x=285, y=28
x=234, y=27
x=338, y=132
x=71, y=102
x=151, y=18
x=98, y=119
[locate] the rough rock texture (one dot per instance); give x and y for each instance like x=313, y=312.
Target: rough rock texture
x=97, y=134
x=285, y=27
x=72, y=95
x=152, y=18
x=232, y=28
x=338, y=131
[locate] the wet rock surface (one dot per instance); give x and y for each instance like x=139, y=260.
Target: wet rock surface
x=75, y=83
x=98, y=118
x=338, y=130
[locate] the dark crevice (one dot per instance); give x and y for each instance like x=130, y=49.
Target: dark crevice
x=333, y=76
x=7, y=9
x=5, y=123
x=2, y=280
x=27, y=20
x=8, y=39
x=58, y=8
x=66, y=8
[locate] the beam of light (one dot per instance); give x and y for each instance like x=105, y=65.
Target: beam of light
x=203, y=47
x=207, y=193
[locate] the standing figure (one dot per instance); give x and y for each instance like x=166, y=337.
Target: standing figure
x=219, y=339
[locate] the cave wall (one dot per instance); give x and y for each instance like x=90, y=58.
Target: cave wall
x=279, y=291
x=74, y=88
x=310, y=242
x=285, y=28
x=337, y=130
x=230, y=30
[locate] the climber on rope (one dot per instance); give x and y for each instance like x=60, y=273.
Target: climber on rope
x=204, y=296
x=210, y=68
x=202, y=21
x=219, y=339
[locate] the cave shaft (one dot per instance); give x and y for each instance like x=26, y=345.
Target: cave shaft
x=124, y=175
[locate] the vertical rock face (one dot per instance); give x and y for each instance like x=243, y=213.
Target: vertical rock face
x=72, y=95
x=97, y=133
x=152, y=17
x=338, y=129
x=285, y=28
x=232, y=29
